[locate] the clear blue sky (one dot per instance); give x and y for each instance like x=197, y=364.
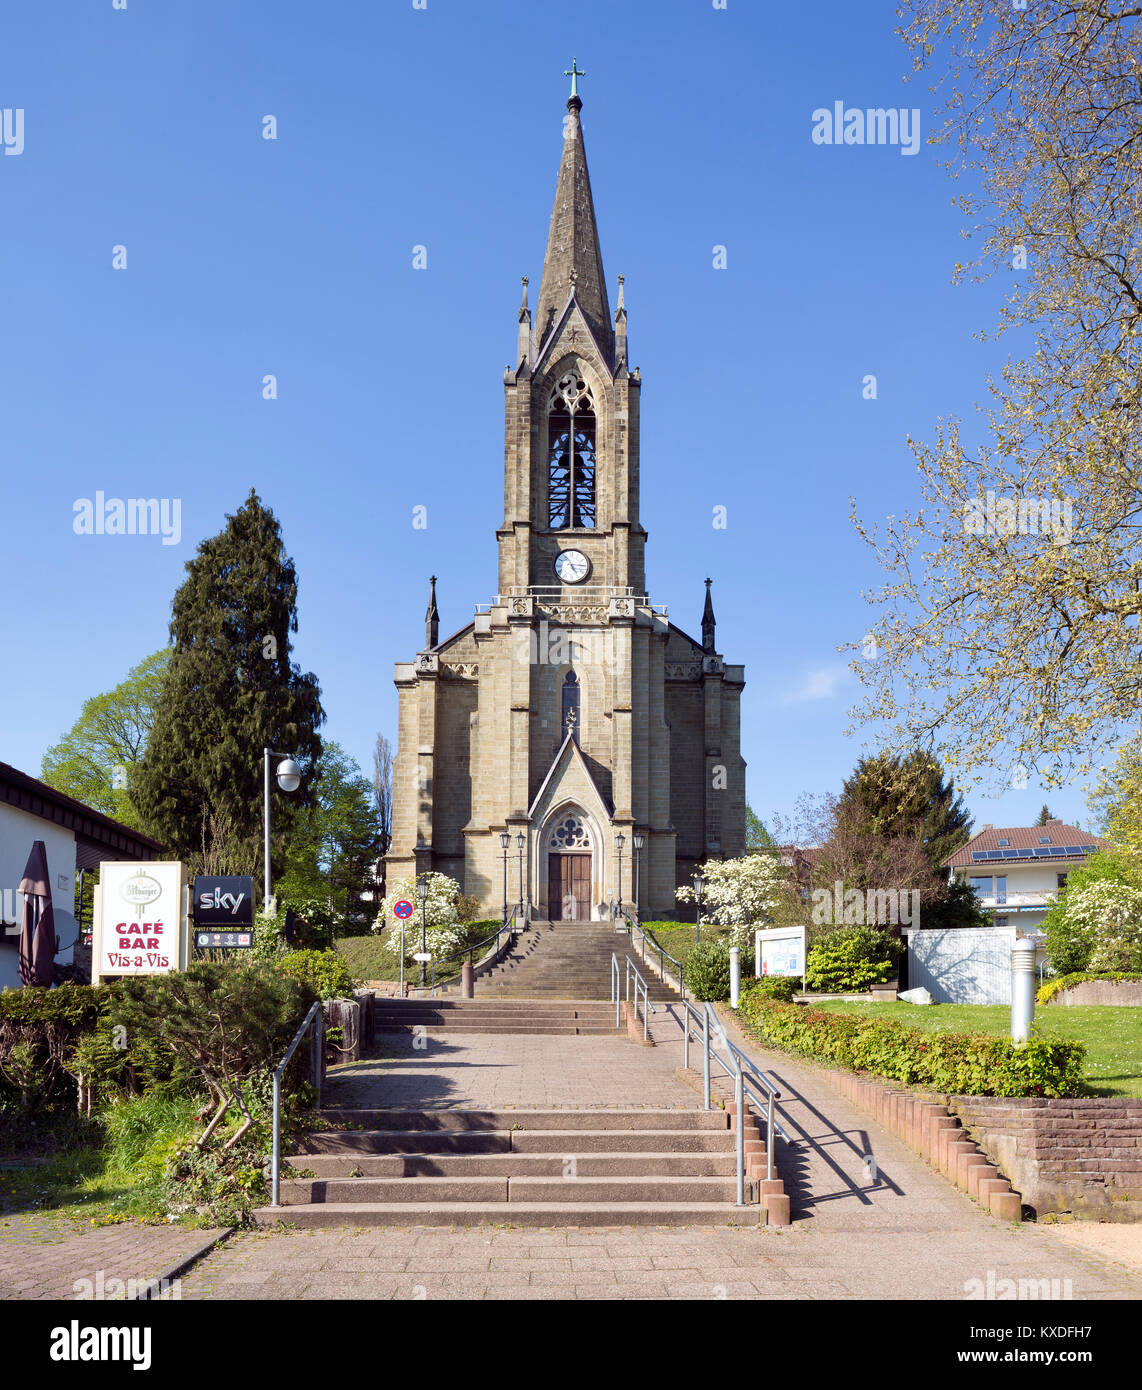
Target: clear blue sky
x=442, y=127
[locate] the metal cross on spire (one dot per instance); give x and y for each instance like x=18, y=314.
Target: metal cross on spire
x=574, y=73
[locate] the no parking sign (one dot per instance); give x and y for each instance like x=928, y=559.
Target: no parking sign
x=402, y=908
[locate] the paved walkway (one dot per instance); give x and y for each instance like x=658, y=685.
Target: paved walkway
x=49, y=1255
x=898, y=1231
x=508, y=1071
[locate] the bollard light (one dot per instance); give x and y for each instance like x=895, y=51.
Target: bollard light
x=1022, y=989
x=735, y=976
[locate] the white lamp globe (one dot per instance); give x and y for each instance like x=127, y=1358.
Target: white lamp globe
x=289, y=775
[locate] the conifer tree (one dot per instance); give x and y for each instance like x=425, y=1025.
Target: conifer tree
x=231, y=691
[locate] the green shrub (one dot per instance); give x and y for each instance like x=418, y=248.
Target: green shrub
x=1051, y=988
x=326, y=973
x=952, y=1063
x=779, y=987
x=39, y=1031
x=706, y=971
x=851, y=958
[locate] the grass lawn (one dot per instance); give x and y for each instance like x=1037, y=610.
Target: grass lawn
x=1112, y=1033
x=677, y=938
x=377, y=957
x=370, y=957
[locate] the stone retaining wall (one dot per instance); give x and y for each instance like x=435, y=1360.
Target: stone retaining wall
x=1083, y=1157
x=1128, y=992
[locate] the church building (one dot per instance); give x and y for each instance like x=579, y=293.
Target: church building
x=569, y=748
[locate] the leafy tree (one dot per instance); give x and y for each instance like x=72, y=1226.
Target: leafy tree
x=1116, y=800
x=893, y=796
x=383, y=799
x=95, y=760
x=334, y=844
x=1019, y=645
x=1102, y=892
x=756, y=834
x=231, y=691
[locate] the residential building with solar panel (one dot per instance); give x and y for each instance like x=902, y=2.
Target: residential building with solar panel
x=1016, y=873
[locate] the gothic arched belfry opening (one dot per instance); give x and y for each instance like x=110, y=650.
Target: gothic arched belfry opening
x=570, y=710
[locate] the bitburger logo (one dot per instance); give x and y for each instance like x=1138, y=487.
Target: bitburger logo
x=140, y=889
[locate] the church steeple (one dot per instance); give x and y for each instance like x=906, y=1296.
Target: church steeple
x=431, y=617
x=708, y=622
x=574, y=261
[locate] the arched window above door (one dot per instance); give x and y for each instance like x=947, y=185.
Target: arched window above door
x=569, y=833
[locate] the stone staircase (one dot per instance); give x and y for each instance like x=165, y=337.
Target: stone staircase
x=566, y=960
x=573, y=1018
x=520, y=1167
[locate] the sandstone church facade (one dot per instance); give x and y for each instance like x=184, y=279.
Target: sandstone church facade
x=570, y=715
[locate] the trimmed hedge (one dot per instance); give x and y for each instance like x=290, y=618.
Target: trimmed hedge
x=970, y=1064
x=1050, y=988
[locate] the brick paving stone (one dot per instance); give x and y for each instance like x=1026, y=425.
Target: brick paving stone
x=43, y=1255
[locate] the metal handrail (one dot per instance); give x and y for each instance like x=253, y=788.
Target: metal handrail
x=747, y=1078
x=469, y=951
x=615, y=995
x=647, y=1007
x=634, y=926
x=316, y=1016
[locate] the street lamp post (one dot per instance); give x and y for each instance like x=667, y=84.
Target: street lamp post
x=505, y=840
x=422, y=894
x=620, y=840
x=699, y=883
x=520, y=841
x=289, y=779
x=639, y=841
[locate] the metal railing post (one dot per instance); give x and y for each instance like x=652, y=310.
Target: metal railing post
x=685, y=1037
x=706, y=1057
x=645, y=1012
x=739, y=1101
x=275, y=1181
x=769, y=1140
x=320, y=1051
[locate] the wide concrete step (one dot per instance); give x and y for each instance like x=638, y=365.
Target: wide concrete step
x=577, y=1008
x=550, y=1030
x=355, y=1145
x=517, y=1120
x=304, y=1191
x=535, y=1214
x=643, y=1163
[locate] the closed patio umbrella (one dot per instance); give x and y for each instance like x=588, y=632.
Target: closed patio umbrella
x=37, y=936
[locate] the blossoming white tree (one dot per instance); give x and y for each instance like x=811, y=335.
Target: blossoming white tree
x=740, y=893
x=445, y=935
x=1109, y=915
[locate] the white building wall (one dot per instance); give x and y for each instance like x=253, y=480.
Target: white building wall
x=18, y=831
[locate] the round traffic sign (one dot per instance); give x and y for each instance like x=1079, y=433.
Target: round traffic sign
x=403, y=908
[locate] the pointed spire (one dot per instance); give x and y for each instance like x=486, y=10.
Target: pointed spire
x=708, y=622
x=621, y=331
x=573, y=241
x=431, y=618
x=523, y=341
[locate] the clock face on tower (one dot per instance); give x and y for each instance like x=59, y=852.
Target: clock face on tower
x=572, y=566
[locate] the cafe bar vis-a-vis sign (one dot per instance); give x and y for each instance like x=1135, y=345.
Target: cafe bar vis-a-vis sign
x=141, y=916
